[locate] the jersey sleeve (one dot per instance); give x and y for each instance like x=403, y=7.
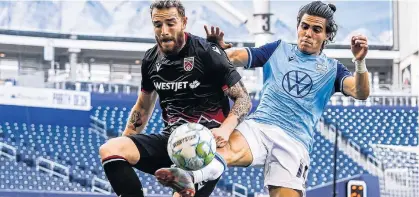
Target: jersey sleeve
x=341, y=74
x=146, y=83
x=224, y=71
x=258, y=56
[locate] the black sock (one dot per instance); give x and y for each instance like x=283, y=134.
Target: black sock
x=122, y=177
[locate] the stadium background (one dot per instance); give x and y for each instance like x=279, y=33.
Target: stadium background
x=70, y=73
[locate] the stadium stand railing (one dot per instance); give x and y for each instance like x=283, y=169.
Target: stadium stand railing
x=7, y=151
x=98, y=126
x=400, y=166
x=101, y=186
x=377, y=98
x=239, y=190
x=53, y=168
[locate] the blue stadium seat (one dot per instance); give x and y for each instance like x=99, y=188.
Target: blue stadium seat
x=393, y=125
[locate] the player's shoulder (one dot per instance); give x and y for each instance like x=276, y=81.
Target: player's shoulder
x=201, y=44
x=334, y=63
x=150, y=55
x=274, y=45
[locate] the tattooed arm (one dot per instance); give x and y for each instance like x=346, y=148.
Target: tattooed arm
x=229, y=80
x=140, y=113
x=241, y=107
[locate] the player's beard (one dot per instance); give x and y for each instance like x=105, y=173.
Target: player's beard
x=174, y=46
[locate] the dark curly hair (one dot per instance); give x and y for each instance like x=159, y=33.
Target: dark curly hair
x=164, y=4
x=320, y=9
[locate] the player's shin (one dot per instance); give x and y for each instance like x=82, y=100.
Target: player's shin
x=212, y=171
x=122, y=177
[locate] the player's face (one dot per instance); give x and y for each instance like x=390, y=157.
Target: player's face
x=311, y=34
x=169, y=29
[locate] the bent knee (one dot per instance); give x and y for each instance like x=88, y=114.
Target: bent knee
x=112, y=147
x=122, y=147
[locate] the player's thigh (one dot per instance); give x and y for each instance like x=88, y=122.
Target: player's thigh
x=237, y=151
x=153, y=151
x=120, y=146
x=287, y=163
x=246, y=145
x=277, y=191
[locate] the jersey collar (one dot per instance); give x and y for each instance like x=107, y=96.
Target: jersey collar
x=184, y=49
x=300, y=54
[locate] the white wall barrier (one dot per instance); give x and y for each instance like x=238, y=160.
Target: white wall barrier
x=43, y=97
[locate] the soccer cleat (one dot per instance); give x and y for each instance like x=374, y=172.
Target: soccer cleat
x=178, y=179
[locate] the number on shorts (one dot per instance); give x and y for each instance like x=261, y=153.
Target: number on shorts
x=302, y=170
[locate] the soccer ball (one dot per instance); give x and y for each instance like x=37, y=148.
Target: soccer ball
x=191, y=146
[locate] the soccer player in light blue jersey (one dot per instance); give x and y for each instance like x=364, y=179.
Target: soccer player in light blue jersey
x=298, y=82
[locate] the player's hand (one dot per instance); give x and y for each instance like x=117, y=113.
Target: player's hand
x=359, y=46
x=220, y=136
x=217, y=36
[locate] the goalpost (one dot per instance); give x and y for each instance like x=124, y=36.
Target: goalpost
x=400, y=165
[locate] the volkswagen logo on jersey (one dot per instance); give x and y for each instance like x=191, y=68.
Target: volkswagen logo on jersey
x=188, y=63
x=297, y=83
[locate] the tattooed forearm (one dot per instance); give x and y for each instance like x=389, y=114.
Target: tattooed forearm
x=242, y=102
x=140, y=113
x=135, y=120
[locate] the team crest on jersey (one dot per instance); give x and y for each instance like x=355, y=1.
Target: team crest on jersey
x=188, y=63
x=321, y=68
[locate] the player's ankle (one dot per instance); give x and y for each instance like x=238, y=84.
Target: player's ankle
x=211, y=172
x=221, y=160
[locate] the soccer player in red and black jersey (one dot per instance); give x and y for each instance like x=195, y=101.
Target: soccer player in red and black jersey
x=194, y=81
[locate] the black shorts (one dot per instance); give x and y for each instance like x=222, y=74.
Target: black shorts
x=153, y=152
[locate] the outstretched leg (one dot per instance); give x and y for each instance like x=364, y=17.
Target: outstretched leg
x=237, y=151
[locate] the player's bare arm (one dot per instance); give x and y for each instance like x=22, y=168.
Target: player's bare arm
x=140, y=113
x=241, y=107
x=242, y=102
x=237, y=56
x=358, y=86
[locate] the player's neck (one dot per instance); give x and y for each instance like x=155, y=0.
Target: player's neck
x=309, y=54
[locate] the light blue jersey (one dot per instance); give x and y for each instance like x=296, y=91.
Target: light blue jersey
x=296, y=88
